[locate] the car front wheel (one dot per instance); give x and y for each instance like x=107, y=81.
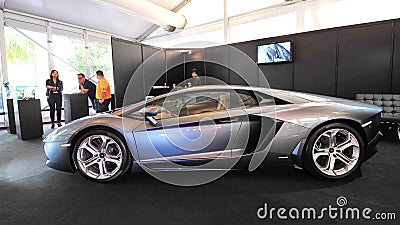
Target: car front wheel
x=101, y=156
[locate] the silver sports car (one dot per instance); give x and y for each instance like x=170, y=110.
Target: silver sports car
x=193, y=128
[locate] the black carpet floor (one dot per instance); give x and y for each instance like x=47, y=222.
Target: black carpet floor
x=31, y=193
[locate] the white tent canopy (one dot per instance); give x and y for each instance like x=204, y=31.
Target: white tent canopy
x=93, y=14
x=216, y=21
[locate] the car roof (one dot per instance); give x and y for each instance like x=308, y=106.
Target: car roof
x=224, y=87
x=266, y=90
x=287, y=95
x=203, y=88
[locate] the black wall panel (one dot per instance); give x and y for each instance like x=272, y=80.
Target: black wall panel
x=149, y=51
x=194, y=59
x=338, y=62
x=278, y=75
x=175, y=66
x=126, y=56
x=315, y=62
x=243, y=71
x=248, y=47
x=156, y=54
x=364, y=60
x=216, y=65
x=154, y=71
x=396, y=60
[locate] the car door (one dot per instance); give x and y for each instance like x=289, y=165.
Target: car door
x=190, y=127
x=259, y=126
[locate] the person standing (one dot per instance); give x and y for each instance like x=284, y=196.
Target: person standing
x=54, y=96
x=87, y=87
x=103, y=92
x=195, y=80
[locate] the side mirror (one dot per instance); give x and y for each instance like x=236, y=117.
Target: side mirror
x=151, y=120
x=148, y=115
x=151, y=113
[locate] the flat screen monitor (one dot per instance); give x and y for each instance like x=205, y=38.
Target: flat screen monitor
x=279, y=52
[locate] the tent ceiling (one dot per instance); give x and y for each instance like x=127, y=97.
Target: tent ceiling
x=88, y=13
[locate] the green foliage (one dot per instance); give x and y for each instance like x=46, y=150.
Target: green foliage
x=98, y=57
x=19, y=49
x=78, y=61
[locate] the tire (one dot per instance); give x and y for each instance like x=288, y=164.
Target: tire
x=101, y=156
x=334, y=151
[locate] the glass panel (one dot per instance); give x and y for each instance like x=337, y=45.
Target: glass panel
x=70, y=60
x=27, y=63
x=300, y=17
x=263, y=25
x=100, y=58
x=318, y=15
x=28, y=57
x=235, y=7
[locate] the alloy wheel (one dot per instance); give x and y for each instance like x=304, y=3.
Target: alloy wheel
x=336, y=152
x=99, y=156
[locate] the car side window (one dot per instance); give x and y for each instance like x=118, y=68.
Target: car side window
x=197, y=103
x=166, y=108
x=242, y=98
x=187, y=104
x=265, y=99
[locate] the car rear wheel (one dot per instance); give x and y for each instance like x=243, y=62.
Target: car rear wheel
x=334, y=151
x=101, y=156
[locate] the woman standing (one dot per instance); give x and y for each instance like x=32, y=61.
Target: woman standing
x=54, y=96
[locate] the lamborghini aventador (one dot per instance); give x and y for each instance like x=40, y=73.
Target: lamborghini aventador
x=190, y=128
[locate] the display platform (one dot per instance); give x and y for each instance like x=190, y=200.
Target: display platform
x=10, y=118
x=28, y=119
x=75, y=106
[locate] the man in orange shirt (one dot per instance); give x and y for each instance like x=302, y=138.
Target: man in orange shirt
x=103, y=92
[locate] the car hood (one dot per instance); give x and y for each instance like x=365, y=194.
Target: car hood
x=64, y=133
